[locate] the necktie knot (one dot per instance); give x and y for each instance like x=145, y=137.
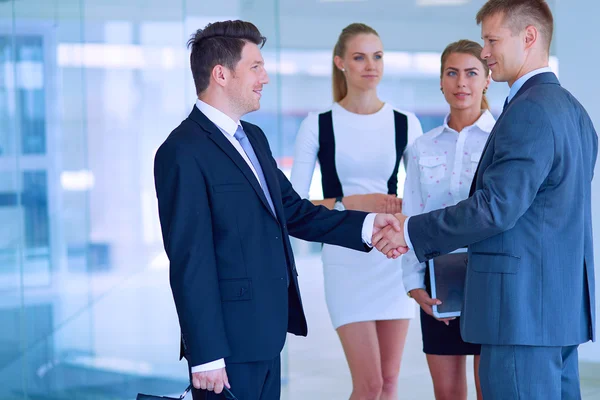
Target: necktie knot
x=239, y=133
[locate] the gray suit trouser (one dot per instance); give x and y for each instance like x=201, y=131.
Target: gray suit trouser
x=529, y=373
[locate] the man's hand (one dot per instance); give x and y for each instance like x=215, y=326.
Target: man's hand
x=211, y=380
x=391, y=241
x=426, y=302
x=388, y=225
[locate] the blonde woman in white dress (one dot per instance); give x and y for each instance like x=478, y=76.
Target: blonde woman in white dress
x=359, y=144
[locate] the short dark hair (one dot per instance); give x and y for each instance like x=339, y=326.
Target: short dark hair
x=220, y=43
x=519, y=14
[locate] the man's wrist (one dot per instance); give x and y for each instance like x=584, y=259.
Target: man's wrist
x=367, y=229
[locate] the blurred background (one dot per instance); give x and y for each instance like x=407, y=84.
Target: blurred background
x=88, y=91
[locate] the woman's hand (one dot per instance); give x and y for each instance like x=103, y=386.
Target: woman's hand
x=426, y=302
x=374, y=202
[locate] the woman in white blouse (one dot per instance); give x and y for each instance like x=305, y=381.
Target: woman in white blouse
x=359, y=143
x=441, y=166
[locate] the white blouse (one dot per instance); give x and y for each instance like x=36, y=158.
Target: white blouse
x=441, y=167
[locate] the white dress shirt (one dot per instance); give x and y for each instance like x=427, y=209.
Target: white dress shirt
x=228, y=127
x=441, y=167
x=518, y=84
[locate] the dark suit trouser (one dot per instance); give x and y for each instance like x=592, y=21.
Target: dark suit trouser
x=529, y=373
x=259, y=380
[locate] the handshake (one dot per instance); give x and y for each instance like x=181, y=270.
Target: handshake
x=388, y=235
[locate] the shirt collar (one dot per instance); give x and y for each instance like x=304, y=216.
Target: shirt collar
x=217, y=117
x=485, y=123
x=445, y=126
x=514, y=89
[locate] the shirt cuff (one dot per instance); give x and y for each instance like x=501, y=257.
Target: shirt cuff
x=406, y=237
x=217, y=364
x=367, y=229
x=416, y=280
x=413, y=272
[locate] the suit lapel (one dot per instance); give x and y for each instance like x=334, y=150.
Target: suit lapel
x=220, y=140
x=543, y=78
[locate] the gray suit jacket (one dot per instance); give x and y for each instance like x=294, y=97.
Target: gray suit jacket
x=530, y=278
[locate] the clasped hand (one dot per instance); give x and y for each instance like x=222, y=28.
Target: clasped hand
x=388, y=235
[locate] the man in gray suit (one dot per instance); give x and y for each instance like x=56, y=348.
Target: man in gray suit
x=529, y=292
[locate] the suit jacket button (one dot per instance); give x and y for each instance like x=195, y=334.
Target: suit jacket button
x=277, y=237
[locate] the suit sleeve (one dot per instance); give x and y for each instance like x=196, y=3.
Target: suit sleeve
x=186, y=225
x=591, y=140
x=523, y=156
x=319, y=224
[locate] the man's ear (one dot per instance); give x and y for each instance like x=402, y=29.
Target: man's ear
x=220, y=75
x=531, y=36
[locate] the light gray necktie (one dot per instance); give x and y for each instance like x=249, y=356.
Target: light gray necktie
x=241, y=137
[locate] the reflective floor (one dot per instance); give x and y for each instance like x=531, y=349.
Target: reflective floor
x=124, y=341
x=317, y=368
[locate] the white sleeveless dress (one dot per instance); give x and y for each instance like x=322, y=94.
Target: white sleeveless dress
x=358, y=286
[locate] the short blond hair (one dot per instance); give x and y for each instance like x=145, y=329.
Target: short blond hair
x=519, y=14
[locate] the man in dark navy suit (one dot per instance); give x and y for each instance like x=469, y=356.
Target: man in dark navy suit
x=226, y=213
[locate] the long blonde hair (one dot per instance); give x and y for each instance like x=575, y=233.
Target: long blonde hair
x=339, y=84
x=467, y=47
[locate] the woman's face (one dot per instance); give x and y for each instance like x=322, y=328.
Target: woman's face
x=363, y=61
x=463, y=81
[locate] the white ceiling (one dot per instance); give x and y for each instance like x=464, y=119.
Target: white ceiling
x=398, y=10
x=295, y=24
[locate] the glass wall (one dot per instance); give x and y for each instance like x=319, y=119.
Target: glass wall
x=88, y=91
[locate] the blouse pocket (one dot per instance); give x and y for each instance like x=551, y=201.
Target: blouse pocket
x=433, y=168
x=475, y=157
